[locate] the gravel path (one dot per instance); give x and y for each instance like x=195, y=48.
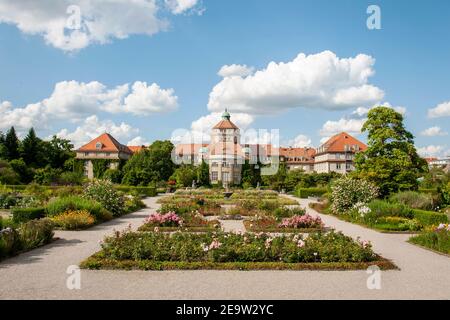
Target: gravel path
x=41, y=273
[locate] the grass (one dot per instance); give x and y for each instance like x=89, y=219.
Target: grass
x=97, y=262
x=435, y=240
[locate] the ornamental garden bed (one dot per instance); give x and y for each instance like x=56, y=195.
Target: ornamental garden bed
x=169, y=222
x=217, y=250
x=294, y=224
x=435, y=239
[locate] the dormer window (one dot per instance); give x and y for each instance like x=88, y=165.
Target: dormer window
x=98, y=145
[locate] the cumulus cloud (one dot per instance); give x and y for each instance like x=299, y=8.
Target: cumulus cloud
x=441, y=110
x=300, y=141
x=433, y=132
x=431, y=151
x=92, y=127
x=238, y=70
x=363, y=111
x=351, y=126
x=72, y=25
x=182, y=6
x=320, y=80
x=138, y=141
x=75, y=100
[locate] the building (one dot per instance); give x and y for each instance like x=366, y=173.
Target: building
x=298, y=158
x=337, y=154
x=104, y=147
x=443, y=163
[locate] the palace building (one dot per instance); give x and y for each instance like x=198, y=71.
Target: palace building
x=225, y=154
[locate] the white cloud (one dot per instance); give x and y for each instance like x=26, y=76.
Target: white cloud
x=138, y=141
x=182, y=6
x=321, y=80
x=75, y=100
x=441, y=110
x=235, y=70
x=363, y=111
x=100, y=21
x=324, y=139
x=431, y=151
x=351, y=126
x=433, y=132
x=300, y=141
x=92, y=127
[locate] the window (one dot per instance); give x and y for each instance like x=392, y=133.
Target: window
x=214, y=175
x=86, y=154
x=225, y=176
x=98, y=145
x=348, y=166
x=107, y=154
x=338, y=166
x=338, y=155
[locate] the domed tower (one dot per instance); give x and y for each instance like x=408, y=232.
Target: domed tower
x=225, y=154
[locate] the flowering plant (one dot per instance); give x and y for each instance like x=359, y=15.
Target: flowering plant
x=304, y=221
x=347, y=191
x=169, y=219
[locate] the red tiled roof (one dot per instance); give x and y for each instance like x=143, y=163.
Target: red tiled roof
x=136, y=149
x=338, y=142
x=298, y=155
x=428, y=160
x=225, y=124
x=108, y=144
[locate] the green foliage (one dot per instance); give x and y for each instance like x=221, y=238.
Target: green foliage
x=184, y=175
x=9, y=242
x=310, y=192
x=31, y=149
x=72, y=178
x=22, y=169
x=414, y=200
x=7, y=174
x=103, y=191
x=47, y=176
x=144, y=191
x=74, y=220
x=153, y=164
x=429, y=218
x=203, y=174
x=11, y=145
x=58, y=206
x=35, y=233
x=286, y=212
x=113, y=175
x=251, y=174
x=391, y=160
x=278, y=180
x=435, y=239
x=346, y=192
x=382, y=208
x=7, y=200
x=21, y=215
x=100, y=166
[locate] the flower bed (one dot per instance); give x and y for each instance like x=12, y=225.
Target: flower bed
x=179, y=250
x=437, y=239
x=294, y=224
x=170, y=221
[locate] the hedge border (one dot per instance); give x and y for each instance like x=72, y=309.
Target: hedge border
x=304, y=193
x=95, y=262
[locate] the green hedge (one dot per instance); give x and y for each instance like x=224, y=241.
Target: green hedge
x=426, y=190
x=428, y=218
x=310, y=192
x=147, y=191
x=27, y=214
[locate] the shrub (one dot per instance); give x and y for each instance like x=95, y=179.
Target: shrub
x=146, y=191
x=415, y=200
x=310, y=192
x=9, y=242
x=346, y=192
x=398, y=224
x=7, y=200
x=35, y=233
x=429, y=218
x=74, y=220
x=58, y=206
x=113, y=175
x=382, y=208
x=304, y=221
x=285, y=212
x=436, y=239
x=133, y=203
x=103, y=192
x=26, y=214
x=170, y=219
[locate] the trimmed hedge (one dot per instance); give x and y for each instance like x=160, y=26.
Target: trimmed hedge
x=429, y=218
x=21, y=215
x=425, y=190
x=310, y=192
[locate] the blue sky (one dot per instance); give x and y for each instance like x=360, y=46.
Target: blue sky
x=411, y=67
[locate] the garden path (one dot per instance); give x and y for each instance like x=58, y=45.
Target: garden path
x=41, y=273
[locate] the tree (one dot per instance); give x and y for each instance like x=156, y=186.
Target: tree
x=25, y=173
x=278, y=180
x=203, y=174
x=153, y=164
x=251, y=174
x=7, y=174
x=31, y=149
x=184, y=175
x=2, y=146
x=57, y=152
x=11, y=145
x=391, y=160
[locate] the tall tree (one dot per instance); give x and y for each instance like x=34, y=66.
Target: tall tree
x=203, y=174
x=251, y=173
x=11, y=145
x=2, y=146
x=391, y=160
x=31, y=149
x=57, y=152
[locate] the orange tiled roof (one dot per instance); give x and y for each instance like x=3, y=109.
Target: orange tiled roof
x=108, y=144
x=136, y=149
x=298, y=155
x=225, y=124
x=428, y=160
x=189, y=148
x=338, y=142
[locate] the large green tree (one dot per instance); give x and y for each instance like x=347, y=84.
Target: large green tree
x=251, y=174
x=11, y=145
x=391, y=160
x=184, y=175
x=31, y=149
x=57, y=152
x=153, y=164
x=203, y=174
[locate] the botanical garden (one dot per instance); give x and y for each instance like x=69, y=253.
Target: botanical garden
x=391, y=191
